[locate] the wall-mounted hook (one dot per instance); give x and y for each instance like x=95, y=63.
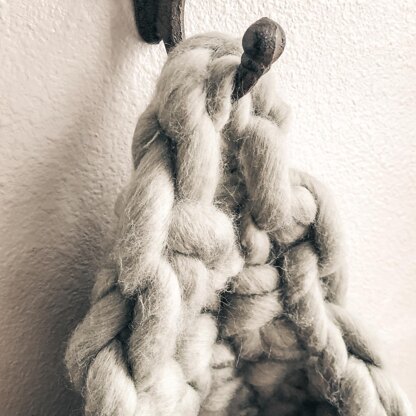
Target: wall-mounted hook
x=159, y=20
x=263, y=41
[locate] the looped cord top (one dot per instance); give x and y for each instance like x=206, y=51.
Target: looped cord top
x=223, y=292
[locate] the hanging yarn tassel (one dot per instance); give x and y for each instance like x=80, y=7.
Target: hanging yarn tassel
x=223, y=292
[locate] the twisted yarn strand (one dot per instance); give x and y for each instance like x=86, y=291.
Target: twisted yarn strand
x=223, y=293
x=173, y=254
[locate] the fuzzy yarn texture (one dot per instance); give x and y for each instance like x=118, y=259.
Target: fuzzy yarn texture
x=223, y=292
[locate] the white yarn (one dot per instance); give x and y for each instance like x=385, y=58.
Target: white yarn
x=223, y=292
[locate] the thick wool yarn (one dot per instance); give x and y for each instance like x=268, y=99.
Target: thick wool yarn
x=223, y=292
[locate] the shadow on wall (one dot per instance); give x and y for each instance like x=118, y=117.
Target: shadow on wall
x=50, y=270
x=56, y=231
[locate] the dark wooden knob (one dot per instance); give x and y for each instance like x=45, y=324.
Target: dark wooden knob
x=263, y=43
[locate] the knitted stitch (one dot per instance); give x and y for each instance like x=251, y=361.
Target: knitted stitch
x=223, y=291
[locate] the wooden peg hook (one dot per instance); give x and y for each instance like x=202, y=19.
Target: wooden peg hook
x=263, y=41
x=158, y=20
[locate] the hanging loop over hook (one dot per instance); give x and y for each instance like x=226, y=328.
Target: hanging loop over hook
x=263, y=41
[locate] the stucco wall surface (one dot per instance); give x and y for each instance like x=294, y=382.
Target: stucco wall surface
x=75, y=76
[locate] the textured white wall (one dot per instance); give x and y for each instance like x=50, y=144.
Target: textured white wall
x=74, y=77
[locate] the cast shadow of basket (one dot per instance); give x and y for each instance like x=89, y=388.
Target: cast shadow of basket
x=62, y=229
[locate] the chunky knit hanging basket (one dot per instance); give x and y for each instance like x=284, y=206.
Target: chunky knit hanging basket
x=223, y=292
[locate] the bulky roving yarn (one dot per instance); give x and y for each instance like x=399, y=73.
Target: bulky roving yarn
x=223, y=292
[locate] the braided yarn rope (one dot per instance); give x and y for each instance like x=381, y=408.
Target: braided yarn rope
x=223, y=292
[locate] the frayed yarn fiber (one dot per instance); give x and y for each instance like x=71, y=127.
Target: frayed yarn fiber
x=223, y=292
